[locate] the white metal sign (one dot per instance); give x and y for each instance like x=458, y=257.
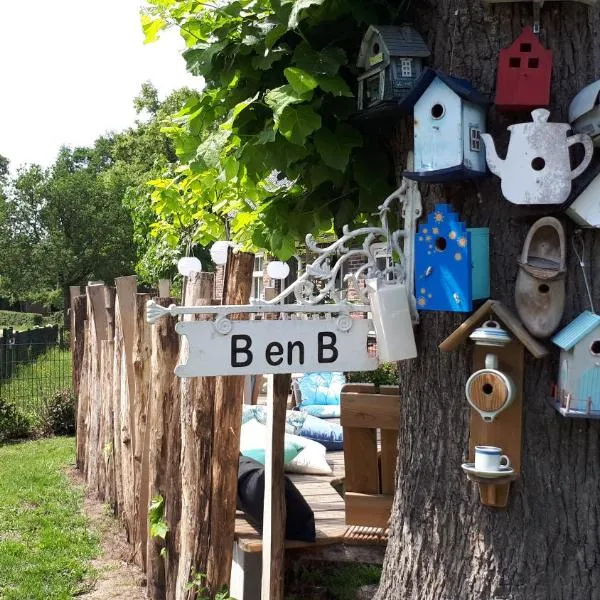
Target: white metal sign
x=290, y=346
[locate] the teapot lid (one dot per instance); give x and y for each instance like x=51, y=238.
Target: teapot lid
x=540, y=116
x=490, y=334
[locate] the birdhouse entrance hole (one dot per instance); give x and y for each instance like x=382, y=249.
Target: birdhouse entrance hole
x=595, y=348
x=487, y=388
x=514, y=62
x=525, y=47
x=440, y=244
x=538, y=163
x=437, y=111
x=543, y=288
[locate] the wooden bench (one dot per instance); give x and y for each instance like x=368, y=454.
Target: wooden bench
x=334, y=539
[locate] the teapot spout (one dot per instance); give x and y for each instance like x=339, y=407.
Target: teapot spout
x=495, y=163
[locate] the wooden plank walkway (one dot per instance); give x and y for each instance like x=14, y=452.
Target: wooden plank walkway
x=329, y=510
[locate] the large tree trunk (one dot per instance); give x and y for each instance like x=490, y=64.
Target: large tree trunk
x=444, y=545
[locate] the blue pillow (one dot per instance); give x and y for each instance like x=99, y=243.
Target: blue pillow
x=329, y=434
x=321, y=388
x=324, y=411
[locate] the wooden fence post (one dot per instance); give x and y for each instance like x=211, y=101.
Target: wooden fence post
x=273, y=554
x=126, y=292
x=79, y=360
x=229, y=392
x=142, y=353
x=197, y=398
x=118, y=437
x=162, y=411
x=97, y=320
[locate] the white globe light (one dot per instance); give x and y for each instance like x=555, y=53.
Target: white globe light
x=189, y=264
x=278, y=270
x=218, y=252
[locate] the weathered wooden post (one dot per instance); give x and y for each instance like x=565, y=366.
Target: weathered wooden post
x=229, y=394
x=197, y=400
x=163, y=410
x=142, y=378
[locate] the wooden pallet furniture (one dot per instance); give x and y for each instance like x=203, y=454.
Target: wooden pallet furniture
x=370, y=419
x=335, y=539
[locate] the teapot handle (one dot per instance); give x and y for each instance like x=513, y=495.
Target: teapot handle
x=586, y=141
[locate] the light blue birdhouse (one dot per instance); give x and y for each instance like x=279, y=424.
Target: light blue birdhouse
x=577, y=393
x=452, y=263
x=449, y=118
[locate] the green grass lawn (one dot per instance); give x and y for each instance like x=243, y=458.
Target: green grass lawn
x=45, y=545
x=31, y=383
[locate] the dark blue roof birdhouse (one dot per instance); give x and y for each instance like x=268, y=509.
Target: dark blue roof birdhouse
x=392, y=60
x=449, y=118
x=451, y=263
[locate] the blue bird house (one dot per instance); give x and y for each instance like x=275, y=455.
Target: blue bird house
x=452, y=263
x=577, y=393
x=449, y=118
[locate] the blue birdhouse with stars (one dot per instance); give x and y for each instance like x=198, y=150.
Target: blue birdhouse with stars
x=452, y=263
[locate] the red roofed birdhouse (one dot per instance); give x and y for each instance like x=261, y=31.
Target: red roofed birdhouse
x=524, y=73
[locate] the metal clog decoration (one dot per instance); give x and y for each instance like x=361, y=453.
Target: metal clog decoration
x=537, y=168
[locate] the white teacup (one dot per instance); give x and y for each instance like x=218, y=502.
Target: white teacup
x=490, y=458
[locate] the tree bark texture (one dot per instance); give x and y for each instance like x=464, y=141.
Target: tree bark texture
x=229, y=393
x=444, y=545
x=197, y=401
x=165, y=389
x=78, y=312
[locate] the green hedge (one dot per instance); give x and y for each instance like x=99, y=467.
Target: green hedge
x=24, y=320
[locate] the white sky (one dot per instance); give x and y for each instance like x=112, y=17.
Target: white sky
x=70, y=70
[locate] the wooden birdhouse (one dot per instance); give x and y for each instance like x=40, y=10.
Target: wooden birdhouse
x=577, y=393
x=452, y=263
x=449, y=119
x=524, y=73
x=504, y=430
x=584, y=112
x=392, y=60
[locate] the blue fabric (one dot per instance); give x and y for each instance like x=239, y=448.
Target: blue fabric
x=329, y=434
x=324, y=411
x=321, y=388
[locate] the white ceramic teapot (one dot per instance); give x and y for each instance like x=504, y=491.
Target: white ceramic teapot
x=537, y=168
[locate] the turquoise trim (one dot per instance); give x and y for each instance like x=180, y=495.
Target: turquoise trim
x=586, y=322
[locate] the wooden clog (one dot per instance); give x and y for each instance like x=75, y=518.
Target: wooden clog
x=540, y=286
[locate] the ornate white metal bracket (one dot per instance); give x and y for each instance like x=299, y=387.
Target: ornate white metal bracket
x=318, y=282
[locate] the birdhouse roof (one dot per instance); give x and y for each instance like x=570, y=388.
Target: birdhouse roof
x=400, y=40
x=510, y=321
x=573, y=333
x=461, y=87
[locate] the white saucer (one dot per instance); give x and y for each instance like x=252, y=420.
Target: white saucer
x=501, y=472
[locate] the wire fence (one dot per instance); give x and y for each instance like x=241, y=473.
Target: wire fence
x=33, y=365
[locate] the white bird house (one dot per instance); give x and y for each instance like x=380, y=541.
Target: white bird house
x=449, y=120
x=577, y=393
x=584, y=112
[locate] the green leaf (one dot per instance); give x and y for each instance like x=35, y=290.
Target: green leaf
x=159, y=529
x=295, y=124
x=335, y=148
x=321, y=173
x=324, y=62
x=335, y=85
x=281, y=97
x=299, y=6
x=269, y=58
x=300, y=80
x=151, y=27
